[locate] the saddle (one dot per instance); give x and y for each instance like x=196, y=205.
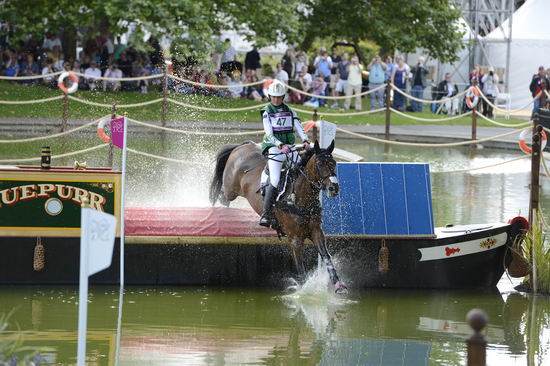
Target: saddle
x=286, y=183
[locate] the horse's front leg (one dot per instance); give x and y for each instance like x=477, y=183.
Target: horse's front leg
x=318, y=238
x=296, y=245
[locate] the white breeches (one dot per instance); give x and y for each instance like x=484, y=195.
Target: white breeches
x=451, y=105
x=275, y=163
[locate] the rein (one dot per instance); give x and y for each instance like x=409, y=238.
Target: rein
x=317, y=184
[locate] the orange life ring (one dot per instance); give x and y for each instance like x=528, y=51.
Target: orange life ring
x=101, y=131
x=472, y=97
x=524, y=135
x=61, y=84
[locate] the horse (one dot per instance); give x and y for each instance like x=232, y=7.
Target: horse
x=237, y=172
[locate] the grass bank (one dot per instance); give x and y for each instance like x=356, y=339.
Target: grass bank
x=54, y=109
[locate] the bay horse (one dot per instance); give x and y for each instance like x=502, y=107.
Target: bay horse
x=237, y=173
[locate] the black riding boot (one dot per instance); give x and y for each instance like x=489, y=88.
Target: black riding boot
x=269, y=200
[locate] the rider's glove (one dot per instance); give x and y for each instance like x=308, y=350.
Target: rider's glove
x=307, y=145
x=285, y=149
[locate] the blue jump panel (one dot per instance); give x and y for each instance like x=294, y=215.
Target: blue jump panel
x=380, y=199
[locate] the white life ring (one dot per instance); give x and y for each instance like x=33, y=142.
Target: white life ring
x=61, y=84
x=101, y=130
x=472, y=97
x=526, y=134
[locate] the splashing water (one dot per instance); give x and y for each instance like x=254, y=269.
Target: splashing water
x=316, y=300
x=317, y=289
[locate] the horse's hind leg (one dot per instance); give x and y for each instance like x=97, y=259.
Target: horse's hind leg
x=319, y=240
x=296, y=245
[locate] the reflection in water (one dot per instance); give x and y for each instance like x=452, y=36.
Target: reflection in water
x=237, y=326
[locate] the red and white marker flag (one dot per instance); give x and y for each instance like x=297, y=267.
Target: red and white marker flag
x=118, y=126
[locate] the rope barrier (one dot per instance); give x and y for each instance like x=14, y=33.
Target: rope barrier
x=216, y=109
x=199, y=133
x=340, y=114
x=34, y=101
x=429, y=119
x=409, y=96
x=469, y=142
x=503, y=124
x=483, y=167
x=166, y=159
x=54, y=135
x=337, y=97
x=508, y=111
x=136, y=78
x=213, y=86
x=95, y=104
x=30, y=77
x=25, y=160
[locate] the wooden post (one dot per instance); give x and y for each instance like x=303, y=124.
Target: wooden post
x=388, y=112
x=535, y=172
x=476, y=343
x=164, y=95
x=110, y=153
x=315, y=130
x=65, y=117
x=474, y=112
x=474, y=124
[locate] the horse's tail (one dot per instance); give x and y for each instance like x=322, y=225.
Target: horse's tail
x=217, y=180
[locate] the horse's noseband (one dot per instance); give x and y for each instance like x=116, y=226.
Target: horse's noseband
x=321, y=182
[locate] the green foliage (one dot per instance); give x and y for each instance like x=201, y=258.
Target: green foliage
x=403, y=25
x=536, y=241
x=195, y=22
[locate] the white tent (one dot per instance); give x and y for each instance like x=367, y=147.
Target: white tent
x=530, y=47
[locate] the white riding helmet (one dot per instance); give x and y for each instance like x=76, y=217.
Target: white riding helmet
x=276, y=89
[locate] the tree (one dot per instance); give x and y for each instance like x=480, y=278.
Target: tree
x=193, y=21
x=392, y=24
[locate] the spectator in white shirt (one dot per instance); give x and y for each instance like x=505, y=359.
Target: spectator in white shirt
x=92, y=73
x=58, y=65
x=305, y=79
x=228, y=57
x=237, y=89
x=49, y=81
x=112, y=72
x=51, y=41
x=281, y=74
x=355, y=72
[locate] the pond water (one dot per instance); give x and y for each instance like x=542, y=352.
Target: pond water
x=235, y=326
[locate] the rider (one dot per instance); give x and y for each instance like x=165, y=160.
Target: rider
x=280, y=122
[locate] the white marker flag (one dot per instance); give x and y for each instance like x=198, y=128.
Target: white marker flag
x=98, y=235
x=97, y=240
x=327, y=133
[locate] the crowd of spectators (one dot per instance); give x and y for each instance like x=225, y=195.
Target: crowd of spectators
x=318, y=75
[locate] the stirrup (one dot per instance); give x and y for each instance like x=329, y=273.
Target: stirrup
x=265, y=221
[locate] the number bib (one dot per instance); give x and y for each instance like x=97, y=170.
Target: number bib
x=281, y=122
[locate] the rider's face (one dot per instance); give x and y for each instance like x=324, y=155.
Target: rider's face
x=276, y=100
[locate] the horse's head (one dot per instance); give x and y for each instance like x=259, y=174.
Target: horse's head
x=321, y=170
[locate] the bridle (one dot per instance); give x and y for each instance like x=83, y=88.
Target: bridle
x=319, y=183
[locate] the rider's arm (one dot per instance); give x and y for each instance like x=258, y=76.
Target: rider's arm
x=298, y=127
x=269, y=131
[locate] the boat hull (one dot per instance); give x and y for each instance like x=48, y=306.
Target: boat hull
x=269, y=263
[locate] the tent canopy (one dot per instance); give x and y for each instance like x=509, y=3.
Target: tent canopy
x=530, y=21
x=530, y=47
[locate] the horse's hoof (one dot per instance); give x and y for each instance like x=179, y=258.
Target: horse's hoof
x=291, y=289
x=340, y=288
